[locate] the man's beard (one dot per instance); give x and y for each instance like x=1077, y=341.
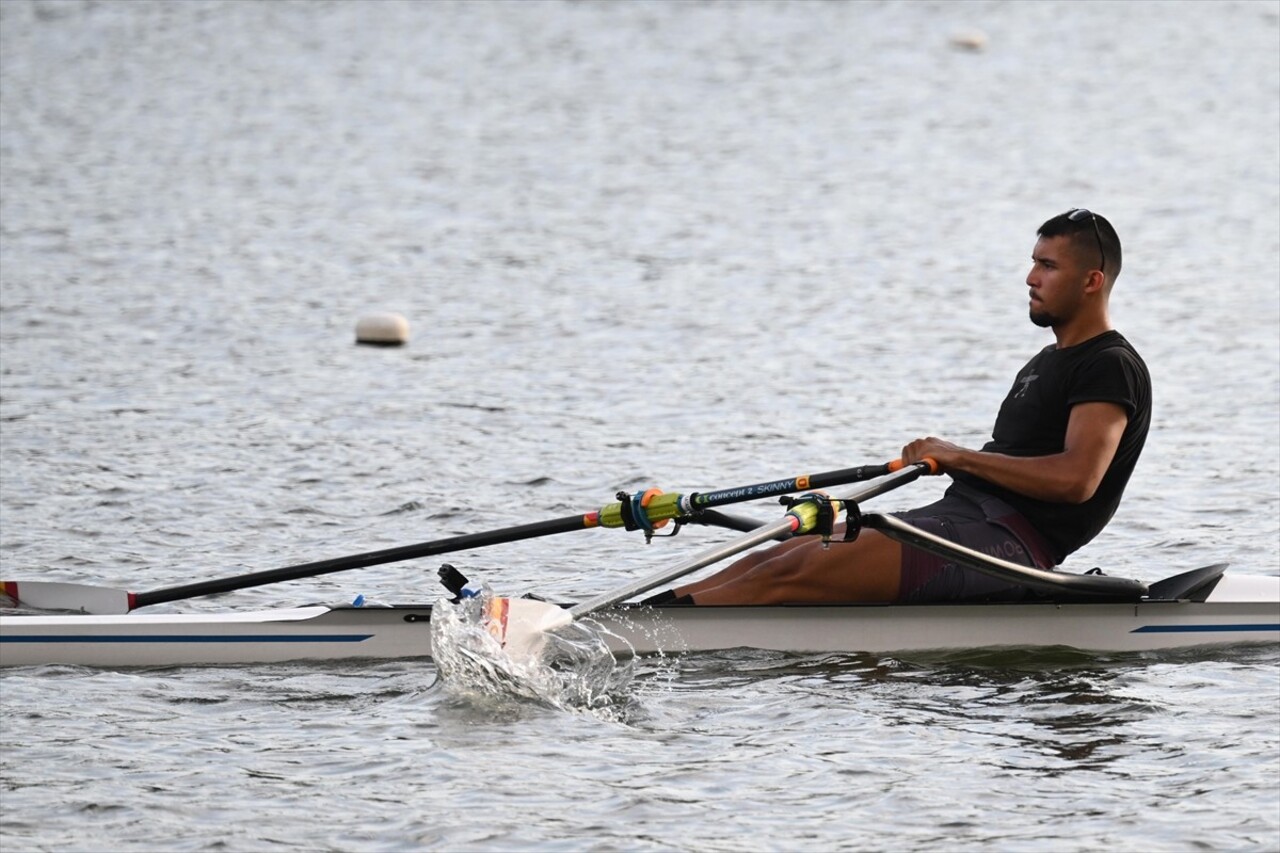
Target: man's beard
x=1043, y=319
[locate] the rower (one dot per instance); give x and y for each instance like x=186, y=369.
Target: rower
x=1065, y=442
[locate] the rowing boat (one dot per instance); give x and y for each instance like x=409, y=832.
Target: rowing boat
x=1090, y=612
x=1204, y=607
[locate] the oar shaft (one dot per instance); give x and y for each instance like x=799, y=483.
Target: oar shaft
x=370, y=558
x=776, y=488
x=706, y=558
x=901, y=476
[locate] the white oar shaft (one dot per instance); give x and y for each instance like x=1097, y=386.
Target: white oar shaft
x=756, y=537
x=728, y=549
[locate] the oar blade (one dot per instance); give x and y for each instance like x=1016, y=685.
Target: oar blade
x=521, y=625
x=72, y=597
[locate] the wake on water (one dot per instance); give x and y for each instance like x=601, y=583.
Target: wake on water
x=575, y=670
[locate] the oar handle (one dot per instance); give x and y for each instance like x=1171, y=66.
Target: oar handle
x=928, y=461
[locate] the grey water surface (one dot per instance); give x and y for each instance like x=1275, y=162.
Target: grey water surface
x=684, y=245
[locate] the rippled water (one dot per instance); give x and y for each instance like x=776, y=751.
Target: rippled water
x=677, y=244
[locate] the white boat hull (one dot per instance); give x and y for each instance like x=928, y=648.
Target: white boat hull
x=1240, y=610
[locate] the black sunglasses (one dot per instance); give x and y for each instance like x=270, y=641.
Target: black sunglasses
x=1079, y=214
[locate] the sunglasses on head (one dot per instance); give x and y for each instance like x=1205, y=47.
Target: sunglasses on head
x=1077, y=215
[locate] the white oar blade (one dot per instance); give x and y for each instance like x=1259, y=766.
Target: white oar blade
x=74, y=597
x=521, y=625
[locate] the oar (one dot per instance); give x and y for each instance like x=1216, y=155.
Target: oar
x=648, y=510
x=521, y=624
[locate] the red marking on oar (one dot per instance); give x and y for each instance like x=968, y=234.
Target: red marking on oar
x=496, y=619
x=11, y=590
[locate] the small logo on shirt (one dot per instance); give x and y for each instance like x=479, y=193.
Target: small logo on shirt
x=1026, y=383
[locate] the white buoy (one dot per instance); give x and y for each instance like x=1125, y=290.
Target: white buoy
x=383, y=330
x=974, y=40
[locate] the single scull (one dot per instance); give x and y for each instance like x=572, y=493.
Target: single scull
x=1205, y=607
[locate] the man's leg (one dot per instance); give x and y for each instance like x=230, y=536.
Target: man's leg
x=802, y=571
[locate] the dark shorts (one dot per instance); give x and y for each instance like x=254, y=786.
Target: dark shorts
x=978, y=521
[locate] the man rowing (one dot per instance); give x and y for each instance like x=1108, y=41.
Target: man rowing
x=1064, y=445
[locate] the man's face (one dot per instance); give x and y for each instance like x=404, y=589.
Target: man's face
x=1056, y=281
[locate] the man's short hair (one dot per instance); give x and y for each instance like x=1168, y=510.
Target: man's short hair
x=1083, y=236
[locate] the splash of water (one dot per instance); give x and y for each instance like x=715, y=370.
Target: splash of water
x=575, y=670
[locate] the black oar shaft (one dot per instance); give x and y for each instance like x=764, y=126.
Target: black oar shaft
x=101, y=600
x=496, y=537
x=370, y=558
x=776, y=488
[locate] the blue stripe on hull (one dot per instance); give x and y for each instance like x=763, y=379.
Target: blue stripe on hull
x=188, y=638
x=1196, y=629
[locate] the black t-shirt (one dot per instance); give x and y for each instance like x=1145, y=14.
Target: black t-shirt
x=1033, y=422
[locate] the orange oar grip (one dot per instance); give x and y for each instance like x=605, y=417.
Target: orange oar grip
x=934, y=467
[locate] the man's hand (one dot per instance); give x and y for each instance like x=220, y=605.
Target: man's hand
x=944, y=453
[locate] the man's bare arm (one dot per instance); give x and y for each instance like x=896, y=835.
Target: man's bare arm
x=1072, y=476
